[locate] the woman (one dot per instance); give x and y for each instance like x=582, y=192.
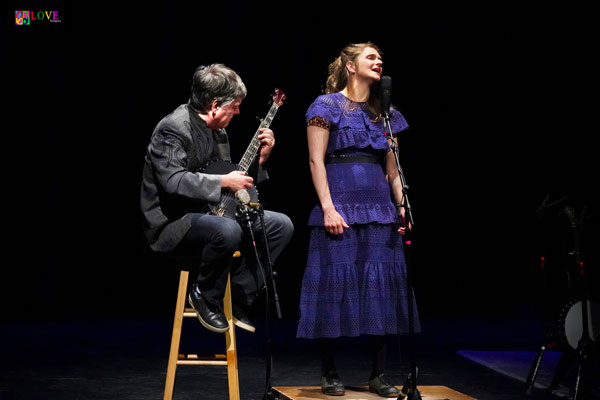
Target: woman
x=355, y=279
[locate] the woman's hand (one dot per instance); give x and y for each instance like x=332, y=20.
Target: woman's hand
x=334, y=223
x=403, y=224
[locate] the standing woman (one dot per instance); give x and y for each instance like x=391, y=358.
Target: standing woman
x=355, y=279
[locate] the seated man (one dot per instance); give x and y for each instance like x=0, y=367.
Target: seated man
x=175, y=194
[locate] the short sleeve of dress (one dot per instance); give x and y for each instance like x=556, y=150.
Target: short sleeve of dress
x=398, y=122
x=320, y=113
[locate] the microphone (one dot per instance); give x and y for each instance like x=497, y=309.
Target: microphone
x=243, y=196
x=385, y=92
x=245, y=199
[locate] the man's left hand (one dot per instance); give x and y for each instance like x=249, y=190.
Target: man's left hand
x=267, y=141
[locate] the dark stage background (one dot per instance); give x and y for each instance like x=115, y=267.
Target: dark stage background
x=496, y=98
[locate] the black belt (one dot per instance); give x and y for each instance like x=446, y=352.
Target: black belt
x=351, y=158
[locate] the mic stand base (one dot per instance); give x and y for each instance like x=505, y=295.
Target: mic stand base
x=411, y=395
x=410, y=387
x=271, y=396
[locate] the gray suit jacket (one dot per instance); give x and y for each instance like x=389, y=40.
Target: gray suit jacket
x=172, y=188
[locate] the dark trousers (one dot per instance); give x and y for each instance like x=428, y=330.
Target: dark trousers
x=212, y=240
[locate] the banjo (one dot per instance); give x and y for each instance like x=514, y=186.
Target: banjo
x=227, y=205
x=573, y=314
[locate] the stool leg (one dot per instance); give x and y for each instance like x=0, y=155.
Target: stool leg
x=232, y=365
x=176, y=337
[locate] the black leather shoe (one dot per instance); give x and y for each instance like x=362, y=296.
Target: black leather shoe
x=241, y=320
x=331, y=384
x=210, y=316
x=383, y=387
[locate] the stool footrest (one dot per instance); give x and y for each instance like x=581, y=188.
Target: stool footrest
x=195, y=357
x=202, y=362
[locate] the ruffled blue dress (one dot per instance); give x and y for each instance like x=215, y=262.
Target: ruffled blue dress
x=355, y=283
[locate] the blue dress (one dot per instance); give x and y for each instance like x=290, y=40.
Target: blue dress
x=355, y=283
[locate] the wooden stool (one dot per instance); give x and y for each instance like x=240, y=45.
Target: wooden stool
x=175, y=359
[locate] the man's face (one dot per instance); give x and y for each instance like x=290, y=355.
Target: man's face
x=223, y=114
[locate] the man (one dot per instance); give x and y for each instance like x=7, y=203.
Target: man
x=174, y=196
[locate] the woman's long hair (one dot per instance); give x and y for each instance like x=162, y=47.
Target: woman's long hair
x=338, y=74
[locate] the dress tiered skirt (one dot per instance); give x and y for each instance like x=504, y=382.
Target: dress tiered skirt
x=355, y=283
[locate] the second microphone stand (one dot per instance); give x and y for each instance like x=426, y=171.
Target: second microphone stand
x=246, y=215
x=410, y=385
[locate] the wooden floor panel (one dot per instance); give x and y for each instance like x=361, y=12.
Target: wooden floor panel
x=362, y=393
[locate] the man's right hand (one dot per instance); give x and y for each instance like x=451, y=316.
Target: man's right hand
x=236, y=180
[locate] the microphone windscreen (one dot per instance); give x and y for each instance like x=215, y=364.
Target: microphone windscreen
x=385, y=87
x=243, y=196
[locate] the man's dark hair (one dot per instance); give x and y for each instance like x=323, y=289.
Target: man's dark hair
x=215, y=82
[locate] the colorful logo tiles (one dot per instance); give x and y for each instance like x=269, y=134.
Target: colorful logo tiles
x=26, y=17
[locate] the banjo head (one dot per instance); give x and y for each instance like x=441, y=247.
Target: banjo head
x=572, y=322
x=227, y=206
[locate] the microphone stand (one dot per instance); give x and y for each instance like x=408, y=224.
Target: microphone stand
x=410, y=385
x=268, y=347
x=247, y=214
x=584, y=350
x=585, y=343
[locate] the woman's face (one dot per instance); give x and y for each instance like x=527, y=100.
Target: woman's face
x=368, y=65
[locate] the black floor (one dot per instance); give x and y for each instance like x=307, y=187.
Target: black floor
x=127, y=359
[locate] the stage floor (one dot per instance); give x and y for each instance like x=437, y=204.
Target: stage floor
x=127, y=360
x=362, y=393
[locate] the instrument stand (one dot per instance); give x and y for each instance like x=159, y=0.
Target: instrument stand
x=246, y=215
x=410, y=385
x=582, y=354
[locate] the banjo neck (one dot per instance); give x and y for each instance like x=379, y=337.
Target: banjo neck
x=254, y=146
x=228, y=202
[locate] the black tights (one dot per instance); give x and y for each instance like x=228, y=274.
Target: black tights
x=378, y=354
